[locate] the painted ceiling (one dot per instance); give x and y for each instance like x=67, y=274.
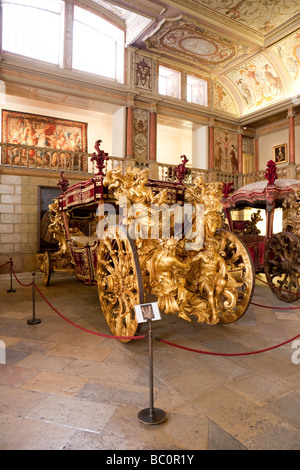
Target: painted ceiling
x=249, y=49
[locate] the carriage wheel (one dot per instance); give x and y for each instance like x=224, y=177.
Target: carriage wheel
x=46, y=268
x=240, y=267
x=282, y=266
x=120, y=284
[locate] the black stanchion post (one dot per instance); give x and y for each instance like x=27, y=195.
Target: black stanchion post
x=11, y=265
x=33, y=321
x=151, y=415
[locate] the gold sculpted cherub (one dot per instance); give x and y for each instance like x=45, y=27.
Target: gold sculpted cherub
x=209, y=274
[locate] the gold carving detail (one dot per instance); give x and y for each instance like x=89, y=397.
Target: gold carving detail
x=213, y=283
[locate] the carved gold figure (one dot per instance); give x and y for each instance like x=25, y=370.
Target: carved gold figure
x=213, y=283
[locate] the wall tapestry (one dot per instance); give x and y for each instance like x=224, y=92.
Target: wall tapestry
x=41, y=131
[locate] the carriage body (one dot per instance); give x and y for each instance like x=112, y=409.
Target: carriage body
x=206, y=275
x=273, y=242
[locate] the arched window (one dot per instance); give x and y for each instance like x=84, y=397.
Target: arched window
x=34, y=29
x=98, y=46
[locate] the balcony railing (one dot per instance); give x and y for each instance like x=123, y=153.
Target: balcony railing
x=23, y=156
x=26, y=156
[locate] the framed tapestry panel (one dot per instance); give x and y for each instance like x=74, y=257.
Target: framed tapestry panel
x=280, y=153
x=41, y=131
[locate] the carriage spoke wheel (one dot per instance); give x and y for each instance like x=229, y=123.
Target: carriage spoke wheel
x=240, y=267
x=282, y=266
x=119, y=279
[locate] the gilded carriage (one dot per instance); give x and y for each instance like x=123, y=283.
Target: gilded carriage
x=153, y=238
x=272, y=233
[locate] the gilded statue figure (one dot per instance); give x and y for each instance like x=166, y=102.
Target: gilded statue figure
x=209, y=195
x=186, y=282
x=56, y=226
x=251, y=225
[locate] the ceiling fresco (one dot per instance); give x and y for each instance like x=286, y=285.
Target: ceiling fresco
x=261, y=15
x=258, y=82
x=248, y=49
x=187, y=40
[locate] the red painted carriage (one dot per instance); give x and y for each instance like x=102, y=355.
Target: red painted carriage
x=266, y=217
x=125, y=269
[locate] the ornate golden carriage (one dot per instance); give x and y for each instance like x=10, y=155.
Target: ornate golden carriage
x=153, y=247
x=276, y=253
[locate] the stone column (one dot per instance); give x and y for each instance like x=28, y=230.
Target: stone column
x=240, y=151
x=129, y=132
x=152, y=145
x=291, y=117
x=211, y=145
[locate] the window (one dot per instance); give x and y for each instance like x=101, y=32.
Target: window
x=98, y=46
x=169, y=82
x=34, y=29
x=196, y=90
x=247, y=145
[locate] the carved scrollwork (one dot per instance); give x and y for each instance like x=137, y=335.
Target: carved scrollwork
x=282, y=265
x=212, y=284
x=119, y=281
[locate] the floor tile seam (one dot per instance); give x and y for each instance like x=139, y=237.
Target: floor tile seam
x=61, y=425
x=224, y=430
x=151, y=429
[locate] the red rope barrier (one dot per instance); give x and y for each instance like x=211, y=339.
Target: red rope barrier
x=84, y=329
x=275, y=287
x=21, y=284
x=159, y=339
x=2, y=265
x=226, y=354
x=275, y=308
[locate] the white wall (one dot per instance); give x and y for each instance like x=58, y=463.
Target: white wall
x=172, y=143
x=100, y=125
x=119, y=133
x=266, y=144
x=200, y=148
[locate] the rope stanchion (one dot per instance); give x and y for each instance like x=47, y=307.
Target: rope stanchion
x=11, y=290
x=33, y=321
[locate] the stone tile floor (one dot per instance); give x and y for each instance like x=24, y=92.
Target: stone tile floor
x=65, y=388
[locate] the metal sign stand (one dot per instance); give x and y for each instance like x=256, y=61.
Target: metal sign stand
x=151, y=415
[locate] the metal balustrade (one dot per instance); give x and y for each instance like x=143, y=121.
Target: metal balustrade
x=23, y=156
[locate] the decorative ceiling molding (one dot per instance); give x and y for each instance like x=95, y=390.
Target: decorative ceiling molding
x=187, y=40
x=262, y=16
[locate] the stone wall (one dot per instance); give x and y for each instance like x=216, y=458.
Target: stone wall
x=19, y=207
